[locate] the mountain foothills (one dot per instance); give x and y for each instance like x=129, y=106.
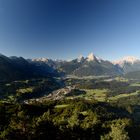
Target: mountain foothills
x=15, y=68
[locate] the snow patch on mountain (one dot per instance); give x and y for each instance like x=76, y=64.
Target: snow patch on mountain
x=91, y=57
x=127, y=59
x=80, y=58
x=40, y=59
x=99, y=59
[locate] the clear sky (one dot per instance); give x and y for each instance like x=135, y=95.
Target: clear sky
x=64, y=29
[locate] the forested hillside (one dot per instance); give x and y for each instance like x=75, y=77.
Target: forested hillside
x=67, y=119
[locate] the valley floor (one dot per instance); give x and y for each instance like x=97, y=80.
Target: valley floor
x=70, y=108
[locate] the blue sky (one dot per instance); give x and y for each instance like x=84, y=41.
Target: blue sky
x=64, y=29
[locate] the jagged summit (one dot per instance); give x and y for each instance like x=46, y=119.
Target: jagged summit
x=80, y=58
x=92, y=65
x=40, y=59
x=91, y=57
x=130, y=59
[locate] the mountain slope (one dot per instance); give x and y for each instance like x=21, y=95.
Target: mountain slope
x=97, y=68
x=133, y=75
x=15, y=68
x=8, y=69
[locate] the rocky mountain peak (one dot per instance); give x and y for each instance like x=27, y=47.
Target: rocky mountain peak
x=130, y=59
x=80, y=58
x=40, y=59
x=91, y=57
x=127, y=59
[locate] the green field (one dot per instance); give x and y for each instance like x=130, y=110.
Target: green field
x=121, y=79
x=101, y=95
x=25, y=90
x=123, y=96
x=135, y=85
x=97, y=94
x=62, y=106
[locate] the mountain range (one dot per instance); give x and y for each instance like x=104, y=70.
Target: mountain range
x=14, y=68
x=93, y=65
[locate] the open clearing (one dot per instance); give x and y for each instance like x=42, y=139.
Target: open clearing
x=62, y=106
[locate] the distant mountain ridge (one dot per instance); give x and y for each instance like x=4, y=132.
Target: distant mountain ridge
x=128, y=64
x=93, y=65
x=13, y=68
x=83, y=66
x=127, y=59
